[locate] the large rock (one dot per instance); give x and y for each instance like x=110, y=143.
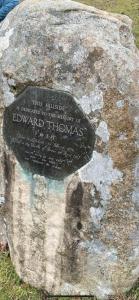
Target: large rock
x=79, y=235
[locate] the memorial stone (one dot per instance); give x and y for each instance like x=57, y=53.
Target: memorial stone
x=69, y=86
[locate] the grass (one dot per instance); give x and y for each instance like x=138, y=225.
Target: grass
x=11, y=287
x=127, y=7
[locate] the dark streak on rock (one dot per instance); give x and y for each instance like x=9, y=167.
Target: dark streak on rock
x=73, y=226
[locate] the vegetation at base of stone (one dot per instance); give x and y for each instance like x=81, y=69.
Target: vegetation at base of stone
x=126, y=7
x=134, y=293
x=11, y=286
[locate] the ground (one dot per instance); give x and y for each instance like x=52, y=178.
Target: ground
x=11, y=287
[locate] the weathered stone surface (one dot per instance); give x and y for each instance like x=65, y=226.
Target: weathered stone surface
x=79, y=235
